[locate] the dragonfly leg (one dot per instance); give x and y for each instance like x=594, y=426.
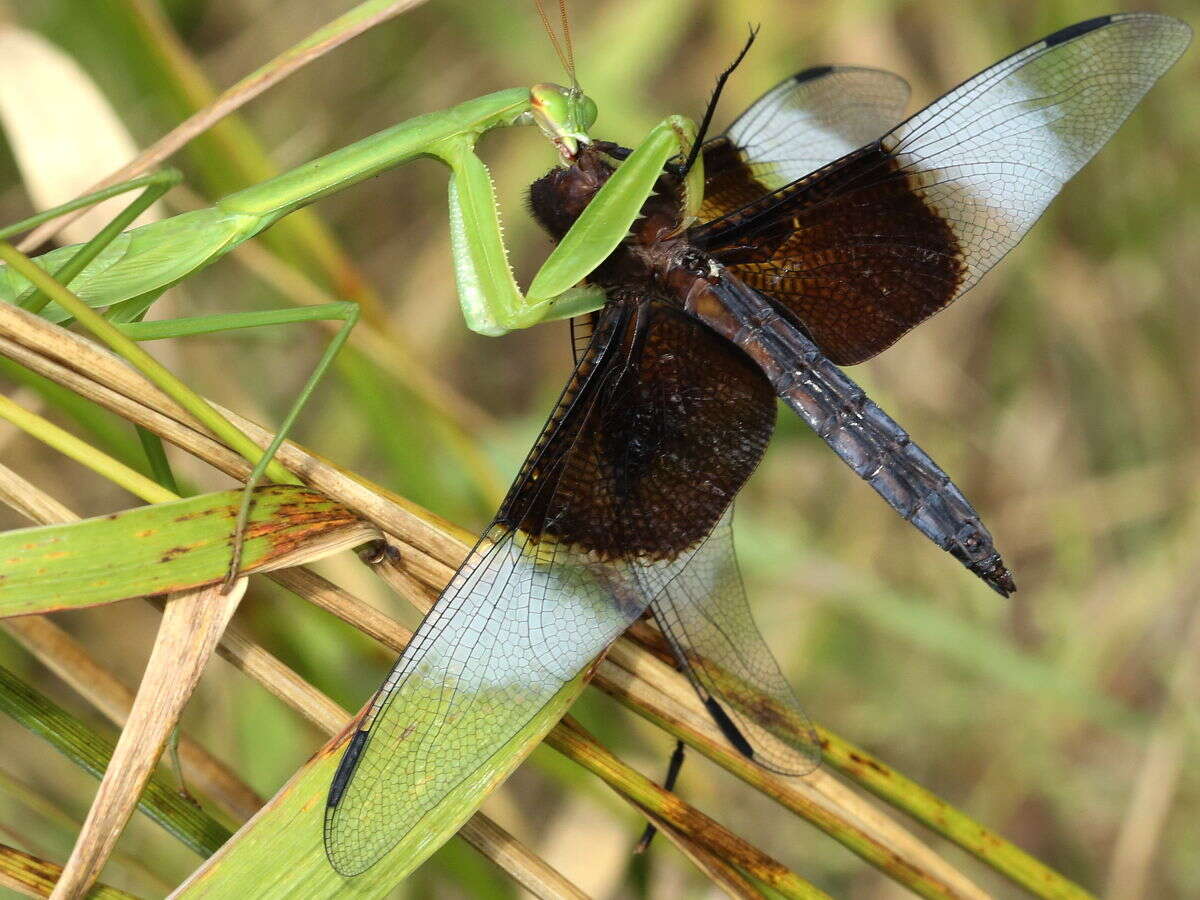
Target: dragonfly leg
x=673, y=768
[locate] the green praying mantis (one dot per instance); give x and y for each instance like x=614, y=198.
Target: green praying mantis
x=474, y=676
x=124, y=272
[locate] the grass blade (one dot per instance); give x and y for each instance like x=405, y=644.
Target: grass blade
x=323, y=40
x=67, y=659
x=92, y=752
x=167, y=547
x=26, y=874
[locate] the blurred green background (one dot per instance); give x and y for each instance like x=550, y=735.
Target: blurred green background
x=1060, y=395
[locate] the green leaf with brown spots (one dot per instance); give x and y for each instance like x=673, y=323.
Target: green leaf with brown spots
x=168, y=547
x=280, y=853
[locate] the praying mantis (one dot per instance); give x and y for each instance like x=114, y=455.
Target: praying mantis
x=126, y=273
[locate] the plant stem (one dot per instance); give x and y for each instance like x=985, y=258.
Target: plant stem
x=82, y=452
x=143, y=362
x=930, y=810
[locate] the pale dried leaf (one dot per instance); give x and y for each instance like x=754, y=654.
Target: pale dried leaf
x=191, y=627
x=51, y=110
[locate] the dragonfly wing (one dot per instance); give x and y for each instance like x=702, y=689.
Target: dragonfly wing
x=505, y=636
x=865, y=248
x=657, y=430
x=801, y=124
x=704, y=616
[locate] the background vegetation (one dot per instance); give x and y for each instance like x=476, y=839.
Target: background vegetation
x=1061, y=395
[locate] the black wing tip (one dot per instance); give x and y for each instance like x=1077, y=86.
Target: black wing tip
x=341, y=779
x=814, y=72
x=732, y=733
x=345, y=769
x=1088, y=25
x=1073, y=31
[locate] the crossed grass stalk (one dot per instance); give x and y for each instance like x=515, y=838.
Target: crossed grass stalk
x=631, y=673
x=430, y=548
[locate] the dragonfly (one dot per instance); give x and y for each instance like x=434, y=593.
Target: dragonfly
x=827, y=226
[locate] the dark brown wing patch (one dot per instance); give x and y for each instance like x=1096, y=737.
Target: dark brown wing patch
x=868, y=246
x=652, y=446
x=853, y=251
x=799, y=125
x=729, y=183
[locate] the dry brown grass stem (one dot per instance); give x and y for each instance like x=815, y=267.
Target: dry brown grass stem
x=230, y=100
x=71, y=662
x=192, y=624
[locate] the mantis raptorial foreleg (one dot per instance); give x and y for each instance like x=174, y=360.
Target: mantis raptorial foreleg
x=492, y=303
x=126, y=271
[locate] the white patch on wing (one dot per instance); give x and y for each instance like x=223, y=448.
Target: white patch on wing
x=990, y=155
x=800, y=125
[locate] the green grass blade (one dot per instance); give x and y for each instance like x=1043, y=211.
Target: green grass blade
x=935, y=813
x=281, y=854
x=91, y=752
x=155, y=371
x=983, y=652
x=167, y=547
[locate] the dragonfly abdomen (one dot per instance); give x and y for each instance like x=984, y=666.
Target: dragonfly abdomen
x=863, y=435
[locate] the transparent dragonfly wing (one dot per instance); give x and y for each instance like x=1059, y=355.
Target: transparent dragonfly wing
x=516, y=624
x=804, y=122
x=657, y=430
x=705, y=618
x=868, y=246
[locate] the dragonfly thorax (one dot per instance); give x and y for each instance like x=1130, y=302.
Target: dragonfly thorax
x=559, y=198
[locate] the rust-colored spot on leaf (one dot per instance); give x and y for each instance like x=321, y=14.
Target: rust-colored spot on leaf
x=200, y=514
x=870, y=764
x=178, y=551
x=146, y=532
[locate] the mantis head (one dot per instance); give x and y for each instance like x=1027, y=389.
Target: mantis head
x=564, y=115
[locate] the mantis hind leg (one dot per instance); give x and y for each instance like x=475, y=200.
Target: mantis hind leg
x=35, y=298
x=345, y=312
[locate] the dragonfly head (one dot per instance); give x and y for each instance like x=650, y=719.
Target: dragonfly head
x=564, y=115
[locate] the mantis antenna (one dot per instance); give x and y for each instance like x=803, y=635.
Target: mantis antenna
x=564, y=49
